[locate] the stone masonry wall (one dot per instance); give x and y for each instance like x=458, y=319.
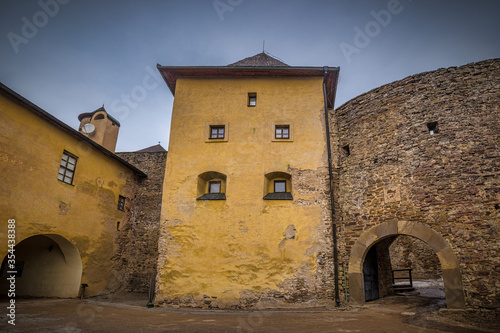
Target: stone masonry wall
x=409, y=252
x=137, y=239
x=391, y=168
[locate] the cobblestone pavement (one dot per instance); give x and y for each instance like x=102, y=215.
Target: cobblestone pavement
x=127, y=313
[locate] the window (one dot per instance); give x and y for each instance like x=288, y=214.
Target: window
x=217, y=132
x=211, y=186
x=214, y=186
x=67, y=168
x=252, y=99
x=278, y=186
x=121, y=203
x=432, y=127
x=347, y=150
x=282, y=132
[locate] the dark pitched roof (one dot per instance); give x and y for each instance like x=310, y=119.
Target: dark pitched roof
x=91, y=114
x=56, y=122
x=152, y=149
x=260, y=65
x=259, y=60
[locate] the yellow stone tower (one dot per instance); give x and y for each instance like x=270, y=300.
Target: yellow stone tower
x=245, y=214
x=101, y=127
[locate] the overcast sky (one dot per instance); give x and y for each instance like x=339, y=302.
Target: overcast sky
x=73, y=56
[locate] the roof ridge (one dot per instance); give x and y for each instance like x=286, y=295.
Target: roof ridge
x=262, y=59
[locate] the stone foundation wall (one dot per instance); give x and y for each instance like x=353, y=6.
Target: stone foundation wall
x=137, y=240
x=392, y=168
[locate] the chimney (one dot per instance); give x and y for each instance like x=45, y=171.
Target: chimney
x=100, y=127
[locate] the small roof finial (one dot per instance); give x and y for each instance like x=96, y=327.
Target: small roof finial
x=264, y=46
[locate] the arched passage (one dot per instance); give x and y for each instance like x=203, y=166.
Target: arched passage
x=48, y=265
x=449, y=263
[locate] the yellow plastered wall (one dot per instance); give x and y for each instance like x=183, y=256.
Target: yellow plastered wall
x=84, y=213
x=222, y=248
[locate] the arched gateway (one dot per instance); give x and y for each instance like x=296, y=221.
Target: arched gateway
x=48, y=265
x=449, y=263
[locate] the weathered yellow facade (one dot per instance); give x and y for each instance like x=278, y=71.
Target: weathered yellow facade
x=244, y=248
x=64, y=232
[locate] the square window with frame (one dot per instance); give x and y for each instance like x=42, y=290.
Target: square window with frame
x=252, y=99
x=282, y=132
x=214, y=186
x=280, y=186
x=217, y=132
x=121, y=203
x=67, y=168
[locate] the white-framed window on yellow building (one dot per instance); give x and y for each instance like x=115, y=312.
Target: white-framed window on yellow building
x=216, y=132
x=282, y=132
x=67, y=168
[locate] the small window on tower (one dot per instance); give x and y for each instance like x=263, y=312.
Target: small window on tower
x=214, y=186
x=217, y=132
x=282, y=132
x=252, y=99
x=279, y=186
x=347, y=150
x=121, y=203
x=432, y=127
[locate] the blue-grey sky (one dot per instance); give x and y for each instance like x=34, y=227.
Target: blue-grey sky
x=73, y=56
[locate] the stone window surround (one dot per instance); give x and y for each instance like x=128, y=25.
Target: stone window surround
x=208, y=132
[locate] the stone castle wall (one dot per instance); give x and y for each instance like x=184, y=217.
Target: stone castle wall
x=409, y=252
x=391, y=169
x=137, y=239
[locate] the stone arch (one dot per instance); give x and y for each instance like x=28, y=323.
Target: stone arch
x=449, y=263
x=52, y=267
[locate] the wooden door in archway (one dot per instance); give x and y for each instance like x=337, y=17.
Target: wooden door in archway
x=370, y=273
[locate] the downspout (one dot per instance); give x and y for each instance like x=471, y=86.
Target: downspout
x=330, y=172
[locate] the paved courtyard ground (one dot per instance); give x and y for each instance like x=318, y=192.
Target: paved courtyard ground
x=127, y=313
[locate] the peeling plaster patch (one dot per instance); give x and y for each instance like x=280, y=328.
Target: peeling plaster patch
x=63, y=208
x=290, y=233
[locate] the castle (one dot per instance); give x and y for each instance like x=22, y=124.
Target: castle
x=269, y=196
